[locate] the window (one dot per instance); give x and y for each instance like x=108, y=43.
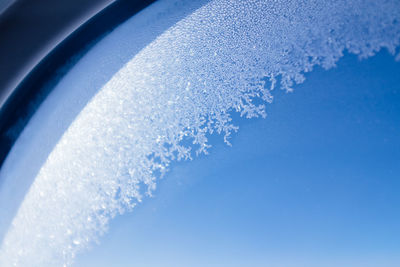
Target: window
x=313, y=184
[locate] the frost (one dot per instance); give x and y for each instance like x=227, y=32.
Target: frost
x=161, y=106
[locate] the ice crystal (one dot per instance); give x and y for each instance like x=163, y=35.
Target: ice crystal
x=225, y=57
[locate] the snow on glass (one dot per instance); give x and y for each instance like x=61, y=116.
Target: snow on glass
x=222, y=58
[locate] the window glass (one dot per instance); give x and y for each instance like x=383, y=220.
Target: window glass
x=182, y=76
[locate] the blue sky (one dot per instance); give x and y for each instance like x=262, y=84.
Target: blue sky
x=315, y=184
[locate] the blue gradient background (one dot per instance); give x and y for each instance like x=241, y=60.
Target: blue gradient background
x=315, y=184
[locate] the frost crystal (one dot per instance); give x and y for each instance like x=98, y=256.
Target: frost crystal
x=223, y=58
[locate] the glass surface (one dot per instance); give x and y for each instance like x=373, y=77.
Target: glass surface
x=4, y=4
x=316, y=183
x=313, y=184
